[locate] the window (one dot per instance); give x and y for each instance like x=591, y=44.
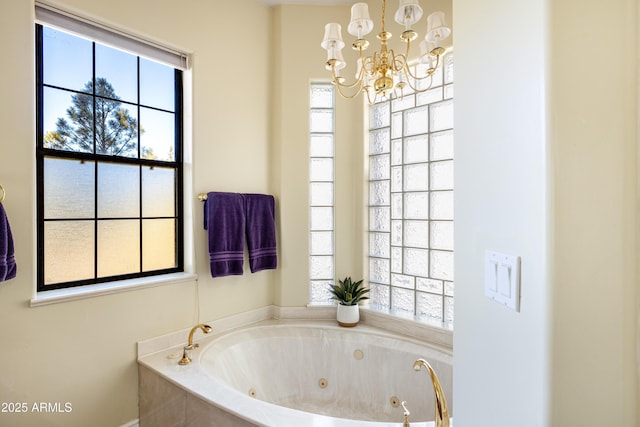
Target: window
x=411, y=202
x=321, y=152
x=109, y=161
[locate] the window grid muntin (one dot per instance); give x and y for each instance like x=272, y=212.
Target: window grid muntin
x=423, y=286
x=43, y=153
x=319, y=285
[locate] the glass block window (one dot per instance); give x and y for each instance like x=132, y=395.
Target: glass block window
x=321, y=163
x=109, y=163
x=411, y=202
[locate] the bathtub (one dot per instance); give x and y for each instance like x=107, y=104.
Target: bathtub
x=294, y=374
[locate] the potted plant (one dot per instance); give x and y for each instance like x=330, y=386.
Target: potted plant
x=348, y=294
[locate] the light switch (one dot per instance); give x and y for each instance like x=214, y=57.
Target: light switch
x=502, y=279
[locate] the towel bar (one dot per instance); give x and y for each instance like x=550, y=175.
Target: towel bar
x=202, y=197
x=3, y=194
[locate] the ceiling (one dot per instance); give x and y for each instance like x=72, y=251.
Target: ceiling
x=316, y=2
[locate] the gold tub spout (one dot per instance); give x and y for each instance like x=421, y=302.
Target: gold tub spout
x=190, y=345
x=442, y=413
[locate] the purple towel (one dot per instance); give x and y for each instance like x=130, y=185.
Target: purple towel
x=261, y=231
x=8, y=268
x=225, y=223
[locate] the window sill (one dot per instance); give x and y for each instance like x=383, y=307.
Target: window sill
x=83, y=292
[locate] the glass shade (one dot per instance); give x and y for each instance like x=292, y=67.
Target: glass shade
x=436, y=28
x=361, y=24
x=409, y=12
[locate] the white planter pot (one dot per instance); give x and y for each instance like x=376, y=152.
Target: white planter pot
x=348, y=315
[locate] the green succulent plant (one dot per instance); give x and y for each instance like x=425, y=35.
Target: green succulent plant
x=348, y=292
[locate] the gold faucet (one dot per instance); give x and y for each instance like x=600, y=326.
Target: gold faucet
x=406, y=415
x=442, y=413
x=190, y=345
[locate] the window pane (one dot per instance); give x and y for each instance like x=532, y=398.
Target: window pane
x=68, y=121
x=321, y=169
x=158, y=191
x=321, y=218
x=68, y=251
x=321, y=96
x=61, y=49
x=321, y=243
x=120, y=69
x=158, y=244
x=320, y=291
x=321, y=121
x=116, y=124
x=118, y=191
x=68, y=189
x=118, y=247
x=322, y=194
x=157, y=83
x=321, y=267
x=321, y=146
x=157, y=139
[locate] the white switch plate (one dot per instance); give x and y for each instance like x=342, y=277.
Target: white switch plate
x=502, y=279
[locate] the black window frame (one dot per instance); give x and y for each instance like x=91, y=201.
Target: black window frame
x=42, y=153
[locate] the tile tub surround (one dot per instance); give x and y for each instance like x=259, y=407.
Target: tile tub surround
x=212, y=387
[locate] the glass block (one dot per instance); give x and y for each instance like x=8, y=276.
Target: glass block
x=416, y=262
x=379, y=194
x=158, y=135
x=118, y=190
x=68, y=188
x=157, y=85
x=61, y=49
x=448, y=288
x=379, y=167
x=448, y=92
x=403, y=281
x=416, y=234
x=321, y=243
x=448, y=310
x=396, y=152
x=416, y=121
x=321, y=194
x=321, y=96
x=429, y=306
x=379, y=270
x=68, y=251
x=396, y=125
x=158, y=244
x=379, y=115
x=379, y=219
x=416, y=205
x=120, y=69
x=321, y=218
x=380, y=296
x=396, y=179
x=407, y=101
x=118, y=247
x=402, y=300
x=447, y=66
x=321, y=121
x=321, y=146
x=442, y=175
x=321, y=267
x=429, y=285
x=441, y=265
x=441, y=115
x=396, y=233
x=442, y=205
x=416, y=177
x=320, y=291
x=442, y=235
x=396, y=260
x=158, y=192
x=321, y=169
x=60, y=132
x=430, y=96
x=379, y=141
x=441, y=145
x=379, y=245
x=416, y=149
x=396, y=206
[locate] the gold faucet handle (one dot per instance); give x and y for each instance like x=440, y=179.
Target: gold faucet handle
x=406, y=414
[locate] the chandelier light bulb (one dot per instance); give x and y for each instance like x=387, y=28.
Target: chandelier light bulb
x=409, y=12
x=361, y=24
x=437, y=29
x=332, y=36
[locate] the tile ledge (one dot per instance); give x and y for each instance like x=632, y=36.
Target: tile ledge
x=83, y=292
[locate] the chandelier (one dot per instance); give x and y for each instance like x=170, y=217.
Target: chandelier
x=385, y=73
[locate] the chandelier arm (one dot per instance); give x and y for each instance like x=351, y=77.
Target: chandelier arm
x=415, y=89
x=341, y=86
